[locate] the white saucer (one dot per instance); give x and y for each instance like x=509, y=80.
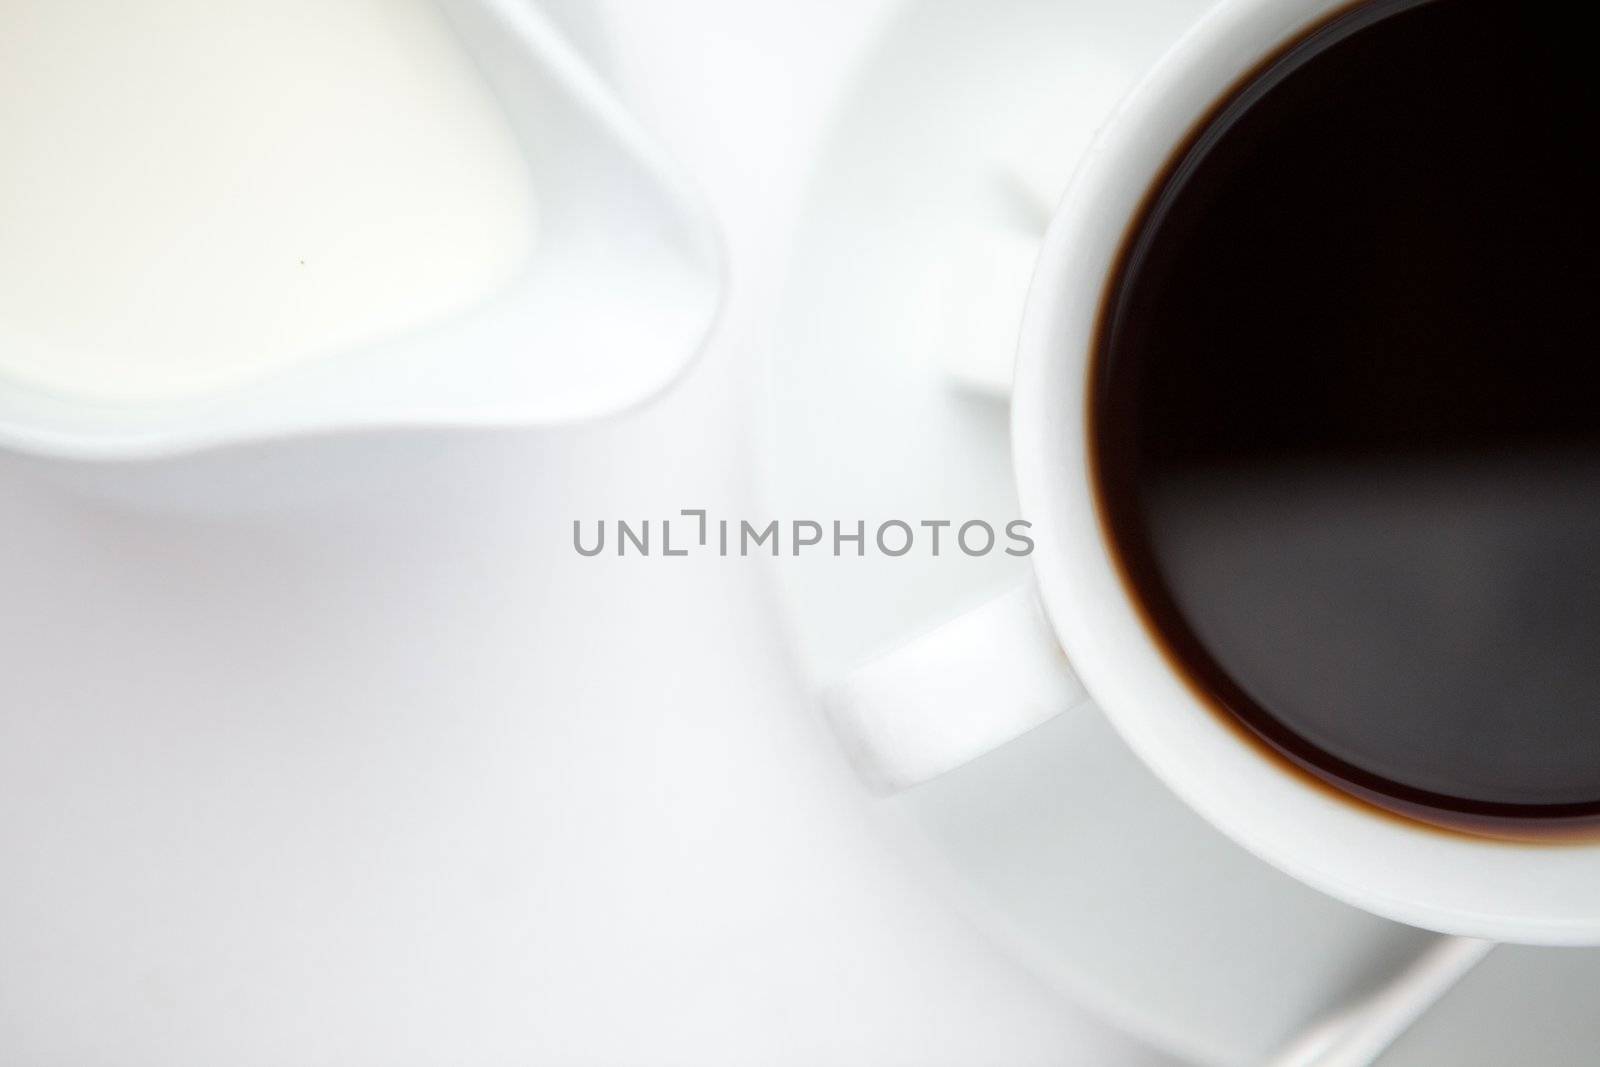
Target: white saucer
x=1061, y=845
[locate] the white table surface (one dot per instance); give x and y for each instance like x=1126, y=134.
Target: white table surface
x=398, y=779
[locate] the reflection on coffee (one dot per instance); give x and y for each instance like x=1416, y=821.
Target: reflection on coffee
x=1345, y=410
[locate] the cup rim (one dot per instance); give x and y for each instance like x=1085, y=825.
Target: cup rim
x=1443, y=880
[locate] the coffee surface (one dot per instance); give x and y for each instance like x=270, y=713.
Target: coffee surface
x=1345, y=410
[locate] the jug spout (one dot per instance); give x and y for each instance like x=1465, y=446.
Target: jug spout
x=604, y=305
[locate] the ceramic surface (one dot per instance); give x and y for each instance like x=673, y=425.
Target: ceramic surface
x=1451, y=882
x=616, y=301
x=1062, y=845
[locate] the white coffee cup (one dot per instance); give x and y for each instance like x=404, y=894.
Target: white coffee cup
x=987, y=677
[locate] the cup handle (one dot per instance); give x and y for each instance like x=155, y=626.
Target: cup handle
x=953, y=694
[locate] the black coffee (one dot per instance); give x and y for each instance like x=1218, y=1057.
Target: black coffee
x=1346, y=410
